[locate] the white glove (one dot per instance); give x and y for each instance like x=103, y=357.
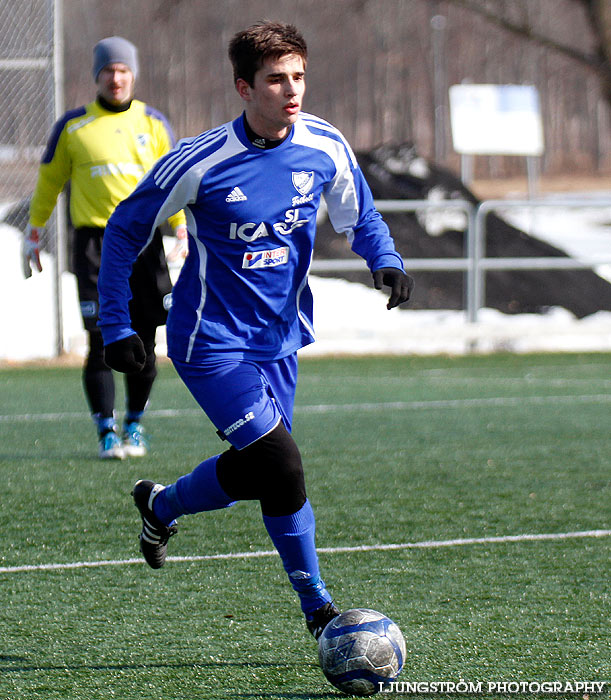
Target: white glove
x=181, y=247
x=30, y=250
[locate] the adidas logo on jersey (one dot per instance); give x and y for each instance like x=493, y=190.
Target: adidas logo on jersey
x=236, y=195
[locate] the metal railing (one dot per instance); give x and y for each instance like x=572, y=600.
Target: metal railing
x=473, y=262
x=481, y=264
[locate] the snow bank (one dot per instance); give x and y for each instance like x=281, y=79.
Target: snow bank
x=349, y=319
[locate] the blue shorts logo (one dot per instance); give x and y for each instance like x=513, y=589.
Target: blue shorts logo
x=239, y=423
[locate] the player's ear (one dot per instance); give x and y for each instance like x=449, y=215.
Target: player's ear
x=243, y=89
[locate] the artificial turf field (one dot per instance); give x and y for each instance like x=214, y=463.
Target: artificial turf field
x=455, y=459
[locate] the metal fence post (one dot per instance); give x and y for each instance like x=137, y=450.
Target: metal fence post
x=60, y=209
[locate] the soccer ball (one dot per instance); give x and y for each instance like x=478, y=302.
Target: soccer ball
x=361, y=651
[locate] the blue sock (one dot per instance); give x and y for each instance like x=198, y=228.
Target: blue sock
x=293, y=537
x=193, y=493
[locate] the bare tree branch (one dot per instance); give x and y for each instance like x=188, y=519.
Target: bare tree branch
x=524, y=30
x=598, y=14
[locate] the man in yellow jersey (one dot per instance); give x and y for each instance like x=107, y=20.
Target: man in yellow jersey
x=104, y=148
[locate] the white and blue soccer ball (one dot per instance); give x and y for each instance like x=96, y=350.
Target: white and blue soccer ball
x=361, y=651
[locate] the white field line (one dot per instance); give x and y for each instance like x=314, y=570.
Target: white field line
x=428, y=544
x=499, y=401
x=434, y=380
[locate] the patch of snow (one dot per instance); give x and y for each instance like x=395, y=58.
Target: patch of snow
x=349, y=318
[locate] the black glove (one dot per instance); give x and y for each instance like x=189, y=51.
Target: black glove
x=401, y=285
x=125, y=355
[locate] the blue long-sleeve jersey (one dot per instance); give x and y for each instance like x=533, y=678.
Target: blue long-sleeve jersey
x=251, y=214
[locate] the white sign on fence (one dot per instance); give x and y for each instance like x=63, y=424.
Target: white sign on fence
x=496, y=120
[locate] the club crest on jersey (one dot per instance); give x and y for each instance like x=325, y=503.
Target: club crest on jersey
x=303, y=181
x=142, y=140
x=257, y=259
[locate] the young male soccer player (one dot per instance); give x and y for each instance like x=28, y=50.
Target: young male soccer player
x=104, y=148
x=242, y=306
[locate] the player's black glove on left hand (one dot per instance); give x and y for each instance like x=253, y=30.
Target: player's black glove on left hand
x=126, y=355
x=401, y=284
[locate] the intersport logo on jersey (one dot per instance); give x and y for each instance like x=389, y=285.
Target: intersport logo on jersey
x=265, y=258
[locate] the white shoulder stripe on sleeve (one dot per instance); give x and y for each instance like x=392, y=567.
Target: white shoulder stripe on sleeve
x=183, y=148
x=318, y=123
x=185, y=151
x=340, y=192
x=184, y=189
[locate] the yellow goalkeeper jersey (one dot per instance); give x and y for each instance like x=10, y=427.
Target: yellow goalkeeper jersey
x=104, y=154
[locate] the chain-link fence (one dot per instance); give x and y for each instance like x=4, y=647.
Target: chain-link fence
x=31, y=100
x=28, y=102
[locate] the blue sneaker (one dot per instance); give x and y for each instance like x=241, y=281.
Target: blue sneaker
x=111, y=446
x=135, y=443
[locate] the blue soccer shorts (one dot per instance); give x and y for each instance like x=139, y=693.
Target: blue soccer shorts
x=244, y=399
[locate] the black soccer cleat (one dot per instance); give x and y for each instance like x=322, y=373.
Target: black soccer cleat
x=155, y=535
x=321, y=618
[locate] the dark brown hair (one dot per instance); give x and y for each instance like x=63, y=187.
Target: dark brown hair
x=249, y=49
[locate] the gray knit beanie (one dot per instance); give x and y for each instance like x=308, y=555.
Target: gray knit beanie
x=114, y=49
